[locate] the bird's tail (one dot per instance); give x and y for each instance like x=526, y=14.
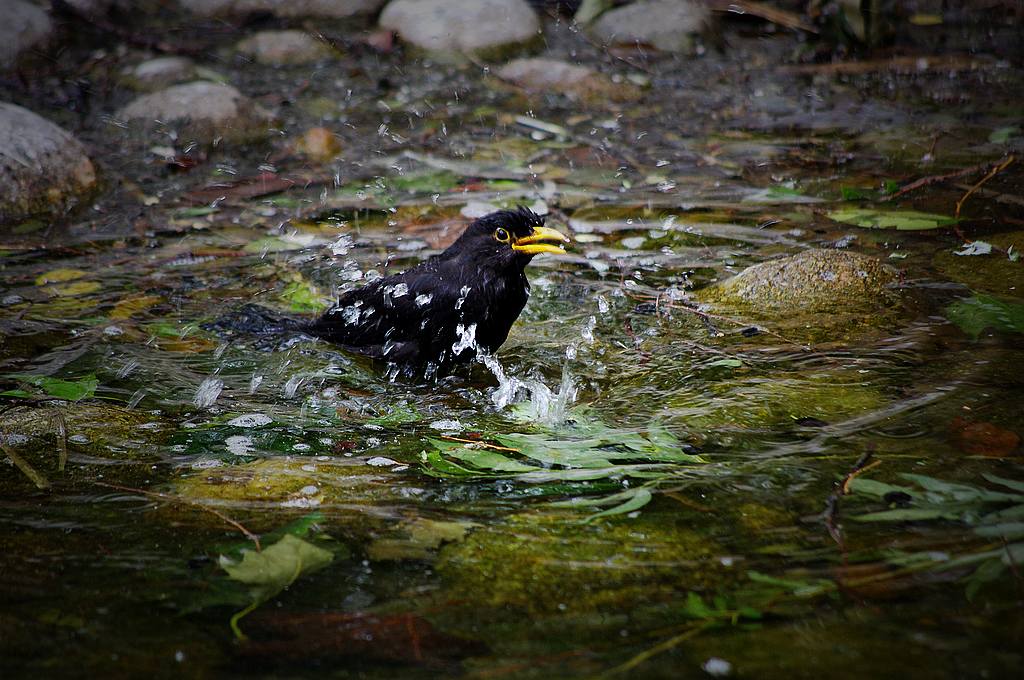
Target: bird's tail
x=253, y=319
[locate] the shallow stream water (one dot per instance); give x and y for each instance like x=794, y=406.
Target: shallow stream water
x=665, y=496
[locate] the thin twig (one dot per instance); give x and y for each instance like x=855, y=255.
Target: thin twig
x=175, y=499
x=60, y=425
x=657, y=649
x=863, y=464
x=482, y=444
x=855, y=473
x=995, y=171
x=935, y=179
x=738, y=322
x=37, y=478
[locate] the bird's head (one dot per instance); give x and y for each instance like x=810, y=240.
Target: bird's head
x=509, y=238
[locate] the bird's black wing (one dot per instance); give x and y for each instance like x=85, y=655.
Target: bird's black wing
x=404, y=318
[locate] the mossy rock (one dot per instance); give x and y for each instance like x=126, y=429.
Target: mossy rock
x=813, y=296
x=291, y=482
x=548, y=562
x=101, y=430
x=994, y=273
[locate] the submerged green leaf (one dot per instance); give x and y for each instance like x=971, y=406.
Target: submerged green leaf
x=276, y=567
x=72, y=390
x=975, y=314
x=638, y=499
x=303, y=297
x=903, y=220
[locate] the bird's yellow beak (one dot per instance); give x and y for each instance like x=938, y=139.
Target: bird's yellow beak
x=542, y=240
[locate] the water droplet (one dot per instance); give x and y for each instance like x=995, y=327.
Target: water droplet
x=208, y=392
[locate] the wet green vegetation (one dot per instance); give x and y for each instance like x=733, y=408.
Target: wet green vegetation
x=663, y=465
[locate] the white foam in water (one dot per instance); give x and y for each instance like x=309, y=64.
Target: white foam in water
x=448, y=425
x=251, y=420
x=240, y=445
x=208, y=392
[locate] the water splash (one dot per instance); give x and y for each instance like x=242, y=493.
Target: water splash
x=540, y=403
x=208, y=392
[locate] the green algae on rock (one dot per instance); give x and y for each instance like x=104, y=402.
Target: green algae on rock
x=817, y=295
x=812, y=281
x=545, y=562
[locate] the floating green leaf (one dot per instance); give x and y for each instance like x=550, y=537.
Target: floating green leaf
x=725, y=363
x=903, y=220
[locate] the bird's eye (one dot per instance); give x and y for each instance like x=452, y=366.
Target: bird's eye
x=502, y=235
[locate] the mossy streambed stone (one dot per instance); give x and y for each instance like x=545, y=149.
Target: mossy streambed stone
x=547, y=562
x=200, y=110
x=761, y=404
x=91, y=432
x=43, y=169
x=819, y=294
x=294, y=482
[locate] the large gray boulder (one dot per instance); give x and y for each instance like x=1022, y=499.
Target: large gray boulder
x=43, y=169
x=448, y=27
x=201, y=111
x=280, y=48
x=333, y=9
x=24, y=25
x=668, y=25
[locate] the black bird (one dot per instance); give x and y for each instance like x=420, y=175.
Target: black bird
x=440, y=312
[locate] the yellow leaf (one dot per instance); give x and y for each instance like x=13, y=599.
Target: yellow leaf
x=58, y=275
x=77, y=288
x=130, y=306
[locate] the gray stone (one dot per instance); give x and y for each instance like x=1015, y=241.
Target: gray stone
x=278, y=48
x=160, y=72
x=202, y=111
x=333, y=9
x=811, y=281
x=43, y=169
x=461, y=26
x=559, y=77
x=24, y=26
x=666, y=24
